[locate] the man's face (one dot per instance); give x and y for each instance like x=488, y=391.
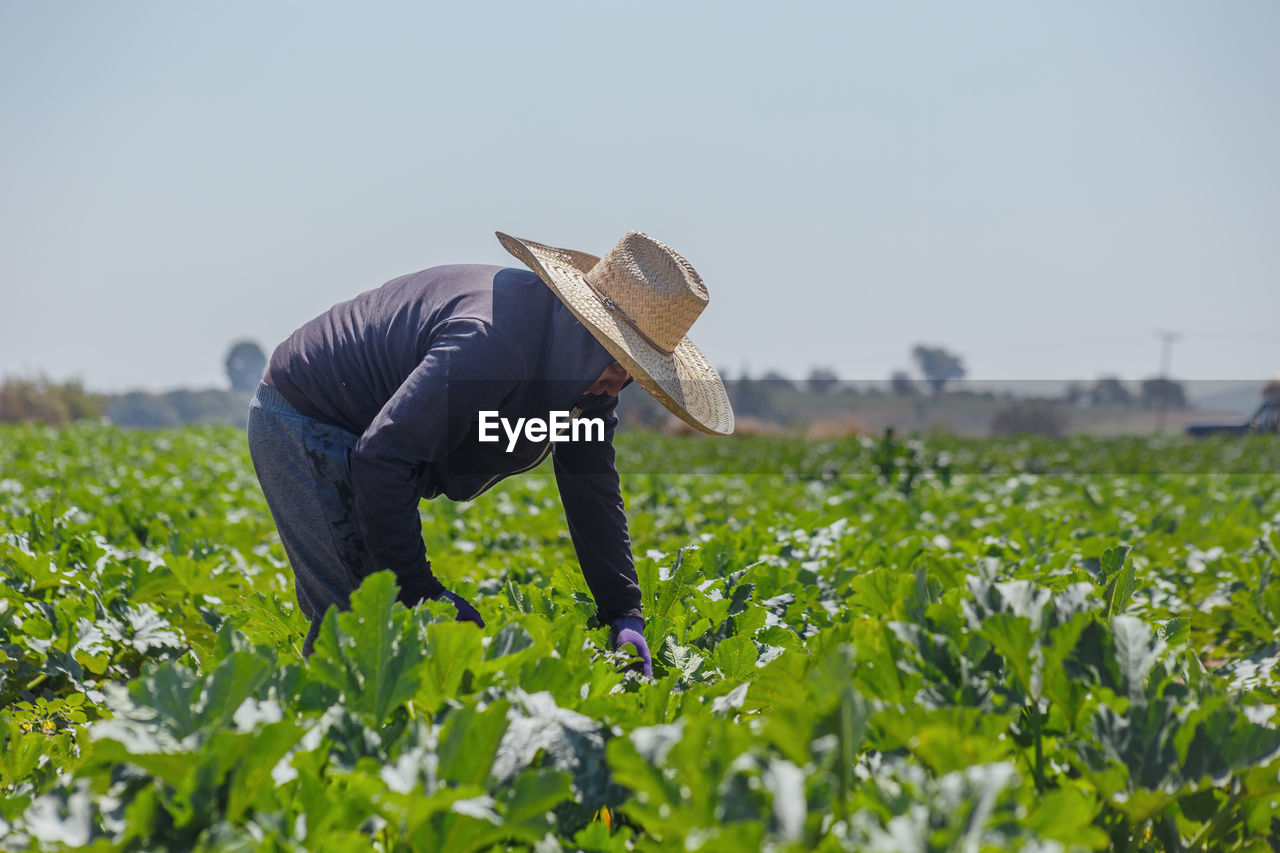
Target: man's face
x=611, y=381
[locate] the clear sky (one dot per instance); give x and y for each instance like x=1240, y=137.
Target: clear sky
x=1037, y=186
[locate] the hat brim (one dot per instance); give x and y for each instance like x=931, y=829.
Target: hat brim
x=682, y=380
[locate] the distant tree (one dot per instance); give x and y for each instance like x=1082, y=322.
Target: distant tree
x=245, y=365
x=1161, y=393
x=822, y=380
x=937, y=366
x=638, y=408
x=140, y=409
x=901, y=385
x=778, y=382
x=1075, y=394
x=172, y=408
x=1110, y=391
x=1030, y=417
x=203, y=407
x=749, y=396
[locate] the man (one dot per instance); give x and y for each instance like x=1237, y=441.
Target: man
x=385, y=399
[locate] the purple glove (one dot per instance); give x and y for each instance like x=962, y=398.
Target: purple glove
x=629, y=631
x=466, y=613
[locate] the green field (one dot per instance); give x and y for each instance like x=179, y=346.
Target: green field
x=864, y=645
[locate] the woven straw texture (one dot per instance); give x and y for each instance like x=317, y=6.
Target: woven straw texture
x=639, y=300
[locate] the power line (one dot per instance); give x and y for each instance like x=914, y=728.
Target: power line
x=1108, y=341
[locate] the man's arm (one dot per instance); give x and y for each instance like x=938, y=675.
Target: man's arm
x=597, y=519
x=468, y=368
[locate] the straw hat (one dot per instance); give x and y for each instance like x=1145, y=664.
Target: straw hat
x=639, y=300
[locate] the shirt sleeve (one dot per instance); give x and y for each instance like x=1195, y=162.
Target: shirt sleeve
x=467, y=368
x=592, y=496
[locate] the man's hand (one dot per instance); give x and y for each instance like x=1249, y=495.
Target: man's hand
x=466, y=613
x=629, y=631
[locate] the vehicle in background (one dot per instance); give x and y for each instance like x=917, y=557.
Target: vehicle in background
x=1265, y=420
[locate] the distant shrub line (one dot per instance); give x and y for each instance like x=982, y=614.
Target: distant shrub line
x=41, y=401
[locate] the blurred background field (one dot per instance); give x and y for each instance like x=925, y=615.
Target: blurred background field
x=816, y=408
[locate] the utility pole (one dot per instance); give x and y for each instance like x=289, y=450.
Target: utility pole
x=1167, y=340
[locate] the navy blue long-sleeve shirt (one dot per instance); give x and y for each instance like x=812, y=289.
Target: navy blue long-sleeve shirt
x=409, y=366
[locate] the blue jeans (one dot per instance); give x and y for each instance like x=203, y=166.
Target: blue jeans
x=304, y=468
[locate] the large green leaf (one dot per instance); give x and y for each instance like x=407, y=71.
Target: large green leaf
x=370, y=651
x=532, y=796
x=736, y=657
x=683, y=659
x=1138, y=649
x=1217, y=742
x=173, y=710
x=253, y=775
x=1121, y=581
x=470, y=743
x=688, y=564
x=450, y=650
x=1014, y=639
